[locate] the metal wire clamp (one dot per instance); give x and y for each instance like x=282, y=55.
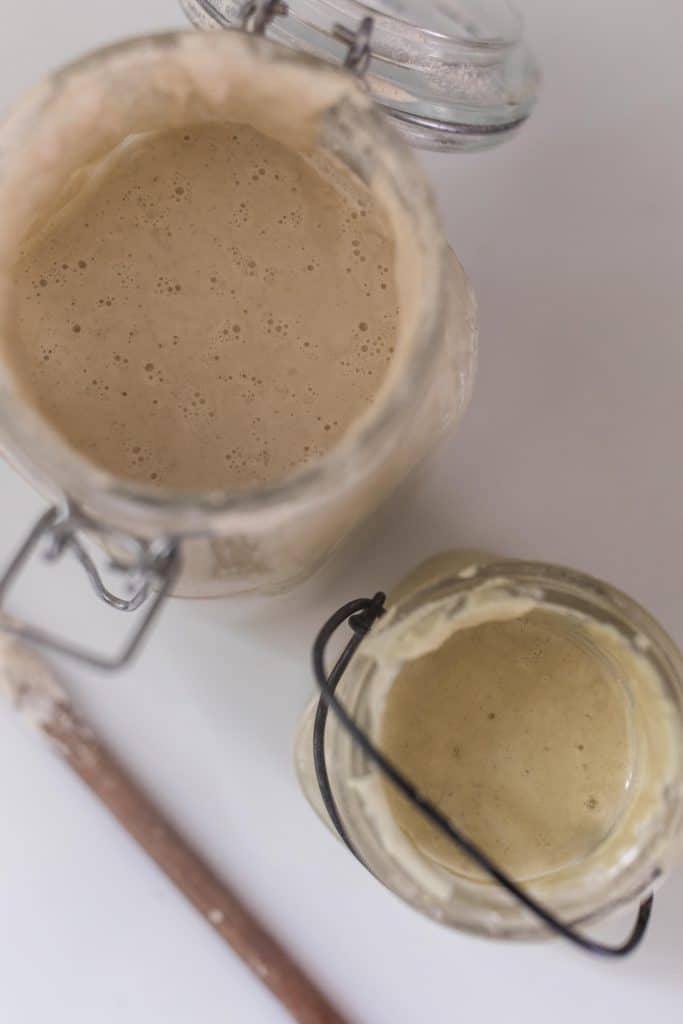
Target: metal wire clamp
x=149, y=570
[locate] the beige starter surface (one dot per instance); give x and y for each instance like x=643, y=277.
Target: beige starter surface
x=519, y=731
x=211, y=310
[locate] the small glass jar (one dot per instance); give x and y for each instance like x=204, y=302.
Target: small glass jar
x=460, y=591
x=267, y=538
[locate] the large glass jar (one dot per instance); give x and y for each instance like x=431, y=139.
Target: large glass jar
x=266, y=538
x=456, y=79
x=640, y=665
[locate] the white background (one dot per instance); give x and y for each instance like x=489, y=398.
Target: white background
x=571, y=452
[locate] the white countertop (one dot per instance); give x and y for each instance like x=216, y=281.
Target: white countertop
x=571, y=452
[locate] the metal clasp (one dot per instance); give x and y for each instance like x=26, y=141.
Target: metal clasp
x=359, y=52
x=149, y=567
x=256, y=15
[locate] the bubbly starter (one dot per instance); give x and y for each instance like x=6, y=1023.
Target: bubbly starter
x=210, y=309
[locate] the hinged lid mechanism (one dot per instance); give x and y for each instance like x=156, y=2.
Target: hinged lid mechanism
x=453, y=74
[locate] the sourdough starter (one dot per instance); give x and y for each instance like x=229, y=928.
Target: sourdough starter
x=520, y=732
x=212, y=309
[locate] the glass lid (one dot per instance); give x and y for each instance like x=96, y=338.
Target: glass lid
x=452, y=74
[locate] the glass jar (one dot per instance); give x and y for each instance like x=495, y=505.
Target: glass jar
x=267, y=538
x=462, y=591
x=452, y=76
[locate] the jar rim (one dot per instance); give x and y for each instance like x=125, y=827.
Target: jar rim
x=49, y=460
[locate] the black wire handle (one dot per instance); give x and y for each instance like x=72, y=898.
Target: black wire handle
x=361, y=616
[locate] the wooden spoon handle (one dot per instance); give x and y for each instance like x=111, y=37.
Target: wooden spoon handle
x=217, y=903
